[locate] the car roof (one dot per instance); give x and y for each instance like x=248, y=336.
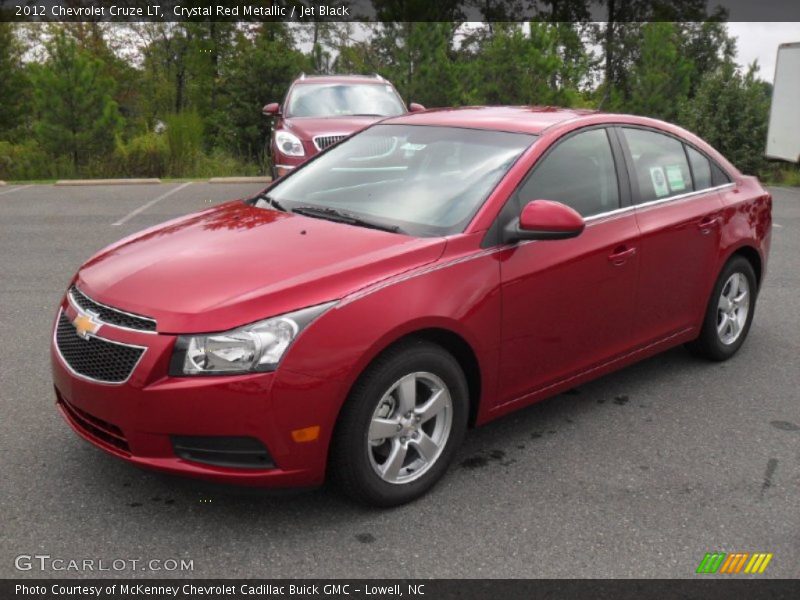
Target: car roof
x=376, y=79
x=522, y=119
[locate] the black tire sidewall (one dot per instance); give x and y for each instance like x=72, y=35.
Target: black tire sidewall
x=709, y=338
x=351, y=462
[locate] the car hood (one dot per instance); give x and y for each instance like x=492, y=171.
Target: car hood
x=235, y=264
x=308, y=127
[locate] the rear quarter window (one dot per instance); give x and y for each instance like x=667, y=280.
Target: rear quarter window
x=701, y=169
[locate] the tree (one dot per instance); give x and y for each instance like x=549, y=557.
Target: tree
x=260, y=68
x=13, y=89
x=730, y=111
x=708, y=45
x=660, y=79
x=73, y=103
x=621, y=38
x=533, y=67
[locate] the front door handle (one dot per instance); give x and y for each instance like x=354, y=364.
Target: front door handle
x=620, y=255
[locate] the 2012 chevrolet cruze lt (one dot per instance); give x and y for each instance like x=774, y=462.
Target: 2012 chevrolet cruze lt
x=435, y=271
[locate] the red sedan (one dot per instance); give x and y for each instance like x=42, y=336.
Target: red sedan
x=431, y=273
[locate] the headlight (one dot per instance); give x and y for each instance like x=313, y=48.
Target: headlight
x=252, y=348
x=289, y=144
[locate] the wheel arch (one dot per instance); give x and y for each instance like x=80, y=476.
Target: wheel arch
x=453, y=342
x=752, y=256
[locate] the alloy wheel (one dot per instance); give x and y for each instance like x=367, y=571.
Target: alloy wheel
x=410, y=427
x=733, y=308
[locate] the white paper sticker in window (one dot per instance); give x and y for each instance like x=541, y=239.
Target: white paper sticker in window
x=675, y=178
x=659, y=182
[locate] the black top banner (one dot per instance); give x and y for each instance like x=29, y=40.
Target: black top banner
x=399, y=10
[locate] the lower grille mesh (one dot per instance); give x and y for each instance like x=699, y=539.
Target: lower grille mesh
x=95, y=358
x=97, y=428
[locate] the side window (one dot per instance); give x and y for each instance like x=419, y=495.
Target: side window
x=659, y=164
x=579, y=172
x=701, y=169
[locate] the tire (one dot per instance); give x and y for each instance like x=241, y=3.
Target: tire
x=384, y=452
x=726, y=323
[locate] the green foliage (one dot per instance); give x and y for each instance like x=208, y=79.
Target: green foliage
x=184, y=140
x=72, y=100
x=660, y=80
x=781, y=174
x=13, y=91
x=85, y=99
x=28, y=160
x=222, y=164
x=730, y=111
x=259, y=71
x=146, y=155
x=534, y=72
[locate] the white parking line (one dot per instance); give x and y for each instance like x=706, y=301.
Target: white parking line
x=16, y=189
x=778, y=226
x=144, y=207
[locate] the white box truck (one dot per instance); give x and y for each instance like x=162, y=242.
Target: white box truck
x=783, y=137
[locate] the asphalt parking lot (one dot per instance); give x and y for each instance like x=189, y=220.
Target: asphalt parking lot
x=638, y=474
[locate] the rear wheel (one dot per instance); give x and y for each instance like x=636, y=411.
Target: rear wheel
x=401, y=426
x=729, y=313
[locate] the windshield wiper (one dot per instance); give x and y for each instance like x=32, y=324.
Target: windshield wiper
x=332, y=214
x=271, y=202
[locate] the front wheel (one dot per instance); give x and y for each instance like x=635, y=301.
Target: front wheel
x=729, y=313
x=401, y=425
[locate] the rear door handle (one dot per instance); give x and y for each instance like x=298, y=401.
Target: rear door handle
x=620, y=255
x=706, y=223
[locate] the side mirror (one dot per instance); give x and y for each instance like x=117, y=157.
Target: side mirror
x=544, y=220
x=414, y=107
x=271, y=109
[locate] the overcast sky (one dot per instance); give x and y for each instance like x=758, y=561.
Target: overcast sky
x=760, y=41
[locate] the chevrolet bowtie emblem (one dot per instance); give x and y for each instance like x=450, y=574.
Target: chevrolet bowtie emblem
x=85, y=325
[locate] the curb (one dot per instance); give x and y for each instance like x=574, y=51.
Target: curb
x=263, y=179
x=106, y=181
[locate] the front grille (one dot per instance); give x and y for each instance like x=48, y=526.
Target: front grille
x=94, y=427
x=95, y=358
x=111, y=316
x=323, y=141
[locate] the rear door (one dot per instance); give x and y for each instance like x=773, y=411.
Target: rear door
x=675, y=188
x=567, y=304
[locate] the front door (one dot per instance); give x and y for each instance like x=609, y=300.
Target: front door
x=567, y=304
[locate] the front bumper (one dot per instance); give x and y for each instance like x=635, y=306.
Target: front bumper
x=140, y=420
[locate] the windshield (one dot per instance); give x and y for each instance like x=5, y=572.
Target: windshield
x=424, y=181
x=343, y=99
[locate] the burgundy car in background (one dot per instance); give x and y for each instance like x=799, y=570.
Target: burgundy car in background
x=432, y=272
x=320, y=110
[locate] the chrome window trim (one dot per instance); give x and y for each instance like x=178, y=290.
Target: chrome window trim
x=322, y=135
x=650, y=203
x=81, y=310
x=287, y=167
x=92, y=379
